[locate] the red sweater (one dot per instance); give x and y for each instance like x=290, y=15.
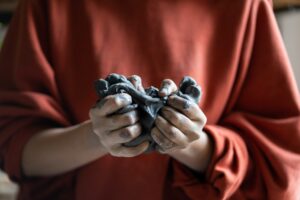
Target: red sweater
x=55, y=49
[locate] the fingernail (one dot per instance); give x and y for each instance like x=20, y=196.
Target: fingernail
x=137, y=79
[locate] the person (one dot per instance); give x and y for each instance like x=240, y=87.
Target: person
x=240, y=142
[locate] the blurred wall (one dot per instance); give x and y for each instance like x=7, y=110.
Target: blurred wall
x=289, y=24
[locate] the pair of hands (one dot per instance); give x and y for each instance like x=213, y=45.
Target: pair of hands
x=179, y=125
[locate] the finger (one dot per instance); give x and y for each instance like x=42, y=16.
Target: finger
x=164, y=151
x=184, y=124
x=122, y=151
x=118, y=121
x=194, y=91
x=161, y=140
x=137, y=82
x=170, y=132
x=111, y=104
x=187, y=107
x=124, y=135
x=167, y=88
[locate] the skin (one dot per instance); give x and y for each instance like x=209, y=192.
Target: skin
x=179, y=131
x=137, y=82
x=78, y=145
x=105, y=133
x=114, y=130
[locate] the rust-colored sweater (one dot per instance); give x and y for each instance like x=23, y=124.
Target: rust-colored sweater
x=55, y=49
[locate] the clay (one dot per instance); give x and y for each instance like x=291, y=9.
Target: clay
x=148, y=104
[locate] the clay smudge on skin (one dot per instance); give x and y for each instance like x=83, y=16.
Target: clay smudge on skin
x=166, y=112
x=124, y=134
x=186, y=104
x=181, y=102
x=135, y=79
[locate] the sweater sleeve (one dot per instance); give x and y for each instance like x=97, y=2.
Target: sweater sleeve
x=29, y=98
x=256, y=142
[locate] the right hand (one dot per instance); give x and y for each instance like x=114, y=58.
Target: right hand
x=115, y=129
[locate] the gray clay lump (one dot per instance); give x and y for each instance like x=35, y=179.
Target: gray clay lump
x=148, y=104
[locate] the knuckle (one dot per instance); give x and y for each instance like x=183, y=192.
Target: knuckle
x=130, y=118
x=124, y=133
x=161, y=140
x=156, y=137
x=113, y=120
x=197, y=136
x=181, y=144
x=137, y=130
x=117, y=102
x=183, y=121
x=172, y=133
x=193, y=107
x=127, y=133
x=174, y=118
x=130, y=133
x=202, y=120
x=194, y=136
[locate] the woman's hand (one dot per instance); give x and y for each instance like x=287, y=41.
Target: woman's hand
x=179, y=130
x=181, y=123
x=115, y=129
x=136, y=82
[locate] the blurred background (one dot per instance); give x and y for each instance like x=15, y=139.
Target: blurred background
x=288, y=18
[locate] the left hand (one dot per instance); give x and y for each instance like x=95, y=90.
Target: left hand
x=181, y=121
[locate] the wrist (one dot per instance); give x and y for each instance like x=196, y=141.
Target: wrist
x=72, y=147
x=92, y=141
x=196, y=155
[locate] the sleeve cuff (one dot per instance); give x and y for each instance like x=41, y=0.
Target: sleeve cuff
x=222, y=177
x=193, y=185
